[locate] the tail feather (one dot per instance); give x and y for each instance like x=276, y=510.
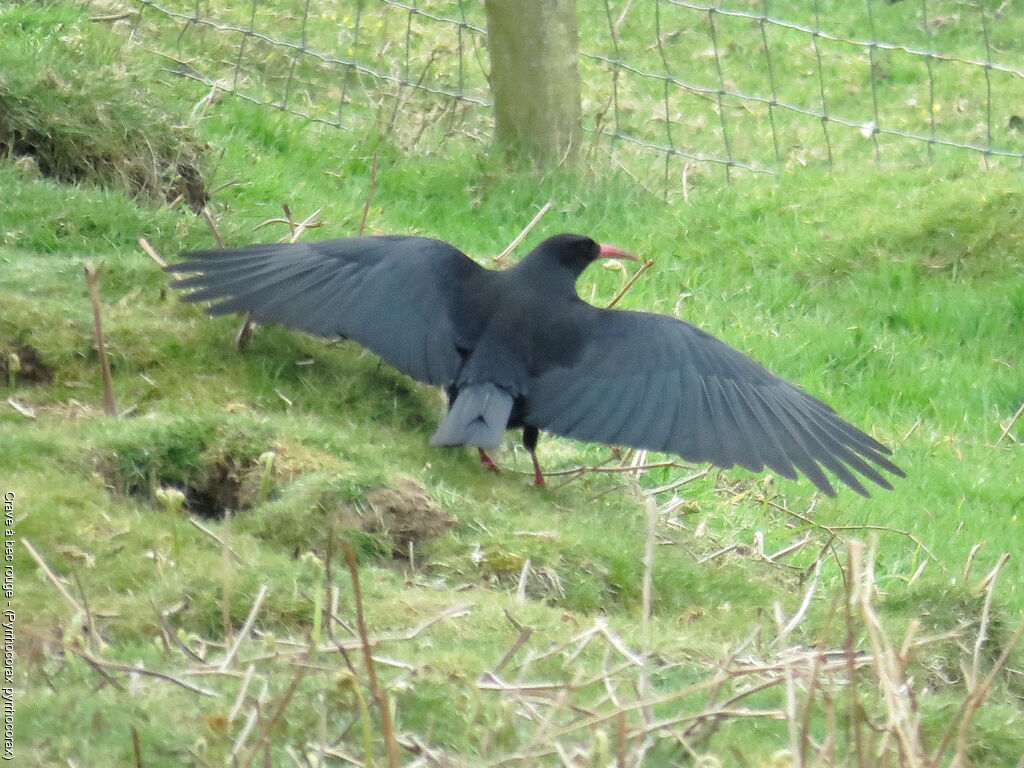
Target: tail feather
x=478, y=417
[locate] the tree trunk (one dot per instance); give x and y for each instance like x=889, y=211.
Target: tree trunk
x=535, y=77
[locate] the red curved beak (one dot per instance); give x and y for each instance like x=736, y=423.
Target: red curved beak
x=611, y=252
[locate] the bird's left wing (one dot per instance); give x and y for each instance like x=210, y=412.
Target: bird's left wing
x=396, y=295
x=651, y=381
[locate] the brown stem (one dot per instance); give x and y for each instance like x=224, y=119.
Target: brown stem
x=92, y=279
x=379, y=696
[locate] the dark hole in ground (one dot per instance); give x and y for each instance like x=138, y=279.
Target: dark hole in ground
x=210, y=490
x=28, y=367
x=217, y=493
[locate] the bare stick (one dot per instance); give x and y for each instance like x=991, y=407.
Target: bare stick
x=172, y=637
x=854, y=550
x=330, y=602
x=90, y=622
x=295, y=230
x=208, y=217
x=243, y=690
x=646, y=599
x=50, y=575
x=629, y=283
x=380, y=697
x=524, y=635
x=369, y=194
x=289, y=220
x=620, y=740
x=613, y=470
x=522, y=235
x=834, y=529
x=345, y=646
x=1009, y=426
x=244, y=633
x=218, y=539
x=986, y=583
x=910, y=431
x=92, y=279
x=97, y=662
x=225, y=586
x=973, y=703
x=250, y=721
x=802, y=610
x=136, y=747
x=307, y=223
x=151, y=252
x=25, y=410
x=300, y=672
x=970, y=559
x=104, y=19
x=524, y=574
x=677, y=483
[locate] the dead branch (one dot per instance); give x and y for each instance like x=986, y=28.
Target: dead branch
x=269, y=723
x=208, y=218
x=1008, y=427
x=629, y=283
x=380, y=697
x=369, y=195
x=51, y=576
x=522, y=235
x=244, y=633
x=151, y=252
x=92, y=279
x=218, y=539
x=132, y=670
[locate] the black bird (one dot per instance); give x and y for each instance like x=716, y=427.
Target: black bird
x=519, y=348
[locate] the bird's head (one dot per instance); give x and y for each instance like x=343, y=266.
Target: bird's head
x=569, y=253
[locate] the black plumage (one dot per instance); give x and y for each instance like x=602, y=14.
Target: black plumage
x=519, y=348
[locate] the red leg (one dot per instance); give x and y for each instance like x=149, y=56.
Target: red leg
x=538, y=476
x=487, y=461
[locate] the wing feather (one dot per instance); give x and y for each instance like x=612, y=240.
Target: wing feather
x=398, y=296
x=651, y=381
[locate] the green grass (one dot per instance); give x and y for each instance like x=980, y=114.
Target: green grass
x=72, y=111
x=676, y=60
x=895, y=296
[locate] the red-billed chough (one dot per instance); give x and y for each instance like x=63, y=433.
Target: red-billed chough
x=519, y=348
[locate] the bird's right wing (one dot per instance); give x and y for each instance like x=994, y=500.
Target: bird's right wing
x=651, y=381
x=395, y=295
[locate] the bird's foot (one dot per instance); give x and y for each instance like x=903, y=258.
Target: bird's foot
x=487, y=461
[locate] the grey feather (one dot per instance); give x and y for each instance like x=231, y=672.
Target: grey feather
x=477, y=417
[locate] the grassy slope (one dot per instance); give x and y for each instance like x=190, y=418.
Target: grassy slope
x=895, y=297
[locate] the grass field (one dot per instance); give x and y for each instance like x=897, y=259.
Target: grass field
x=752, y=85
x=511, y=625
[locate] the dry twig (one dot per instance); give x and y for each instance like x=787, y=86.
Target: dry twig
x=92, y=279
x=151, y=252
x=1008, y=427
x=629, y=283
x=379, y=696
x=218, y=539
x=522, y=235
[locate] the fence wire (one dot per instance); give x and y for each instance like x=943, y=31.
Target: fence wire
x=671, y=88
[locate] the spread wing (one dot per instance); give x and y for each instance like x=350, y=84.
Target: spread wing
x=395, y=295
x=651, y=381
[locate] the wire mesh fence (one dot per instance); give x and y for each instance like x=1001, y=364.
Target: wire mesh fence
x=670, y=88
